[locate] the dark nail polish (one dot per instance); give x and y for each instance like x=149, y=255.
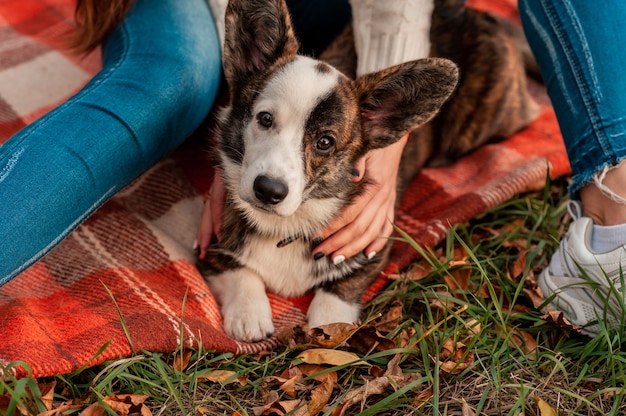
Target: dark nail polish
x=355, y=173
x=316, y=242
x=319, y=256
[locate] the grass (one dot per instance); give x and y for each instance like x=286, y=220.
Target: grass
x=470, y=340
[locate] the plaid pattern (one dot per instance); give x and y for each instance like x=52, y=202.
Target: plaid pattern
x=132, y=261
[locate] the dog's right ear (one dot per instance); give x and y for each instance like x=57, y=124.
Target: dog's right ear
x=397, y=100
x=258, y=33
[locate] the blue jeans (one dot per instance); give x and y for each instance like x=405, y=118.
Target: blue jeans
x=161, y=70
x=579, y=48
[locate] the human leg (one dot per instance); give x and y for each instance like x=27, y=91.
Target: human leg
x=578, y=47
x=161, y=70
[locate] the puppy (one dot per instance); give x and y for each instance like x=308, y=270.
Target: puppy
x=288, y=140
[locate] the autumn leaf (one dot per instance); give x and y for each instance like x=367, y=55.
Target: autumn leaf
x=391, y=319
x=181, y=360
x=122, y=404
x=455, y=357
x=329, y=356
x=544, y=408
x=221, y=376
x=519, y=265
x=393, y=377
x=319, y=396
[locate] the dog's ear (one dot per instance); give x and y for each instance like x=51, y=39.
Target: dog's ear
x=257, y=34
x=399, y=99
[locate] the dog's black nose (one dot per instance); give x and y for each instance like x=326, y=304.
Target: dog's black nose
x=269, y=191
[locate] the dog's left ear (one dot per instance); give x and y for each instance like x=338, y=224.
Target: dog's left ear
x=258, y=34
x=399, y=99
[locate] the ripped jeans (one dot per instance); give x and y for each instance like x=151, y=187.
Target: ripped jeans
x=579, y=46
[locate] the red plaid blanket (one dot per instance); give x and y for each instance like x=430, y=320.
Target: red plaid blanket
x=131, y=264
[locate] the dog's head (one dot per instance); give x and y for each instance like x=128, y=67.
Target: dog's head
x=296, y=126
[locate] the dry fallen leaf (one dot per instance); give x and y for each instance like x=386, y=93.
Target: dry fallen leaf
x=393, y=377
x=319, y=396
x=454, y=357
x=391, y=319
x=519, y=265
x=544, y=408
x=47, y=393
x=181, y=360
x=122, y=404
x=423, y=397
x=221, y=376
x=328, y=356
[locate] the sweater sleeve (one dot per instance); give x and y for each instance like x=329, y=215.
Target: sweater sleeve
x=390, y=32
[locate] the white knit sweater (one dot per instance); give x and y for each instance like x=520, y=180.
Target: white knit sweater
x=386, y=32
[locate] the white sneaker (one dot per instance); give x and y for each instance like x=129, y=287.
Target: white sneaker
x=586, y=286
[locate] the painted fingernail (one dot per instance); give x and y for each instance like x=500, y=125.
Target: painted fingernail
x=356, y=173
x=316, y=241
x=195, y=245
x=371, y=255
x=339, y=259
x=319, y=255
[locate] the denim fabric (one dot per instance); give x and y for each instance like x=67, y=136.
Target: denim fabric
x=161, y=71
x=579, y=45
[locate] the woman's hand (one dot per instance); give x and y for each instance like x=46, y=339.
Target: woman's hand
x=211, y=217
x=368, y=222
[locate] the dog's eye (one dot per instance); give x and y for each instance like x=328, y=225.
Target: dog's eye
x=325, y=145
x=265, y=119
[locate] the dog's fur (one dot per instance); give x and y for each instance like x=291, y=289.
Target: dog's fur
x=295, y=127
x=292, y=133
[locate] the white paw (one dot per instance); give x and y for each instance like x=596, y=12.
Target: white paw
x=249, y=320
x=245, y=307
x=327, y=308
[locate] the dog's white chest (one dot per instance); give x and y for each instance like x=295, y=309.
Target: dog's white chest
x=288, y=270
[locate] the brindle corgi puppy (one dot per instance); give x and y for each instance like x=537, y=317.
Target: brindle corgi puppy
x=288, y=140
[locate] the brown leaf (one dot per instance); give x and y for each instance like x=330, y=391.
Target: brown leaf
x=181, y=360
x=534, y=294
x=294, y=336
x=393, y=377
x=544, y=408
x=466, y=410
x=222, y=377
x=62, y=409
x=406, y=336
x=368, y=339
x=122, y=404
x=423, y=397
x=519, y=265
x=417, y=272
x=319, y=397
x=455, y=357
x=522, y=339
x=47, y=393
x=94, y=410
x=328, y=356
x=458, y=279
x=391, y=319
x=333, y=335
x=317, y=372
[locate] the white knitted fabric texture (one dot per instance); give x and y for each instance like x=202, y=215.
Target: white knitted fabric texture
x=390, y=32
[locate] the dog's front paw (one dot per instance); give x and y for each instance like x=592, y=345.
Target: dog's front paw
x=327, y=308
x=249, y=321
